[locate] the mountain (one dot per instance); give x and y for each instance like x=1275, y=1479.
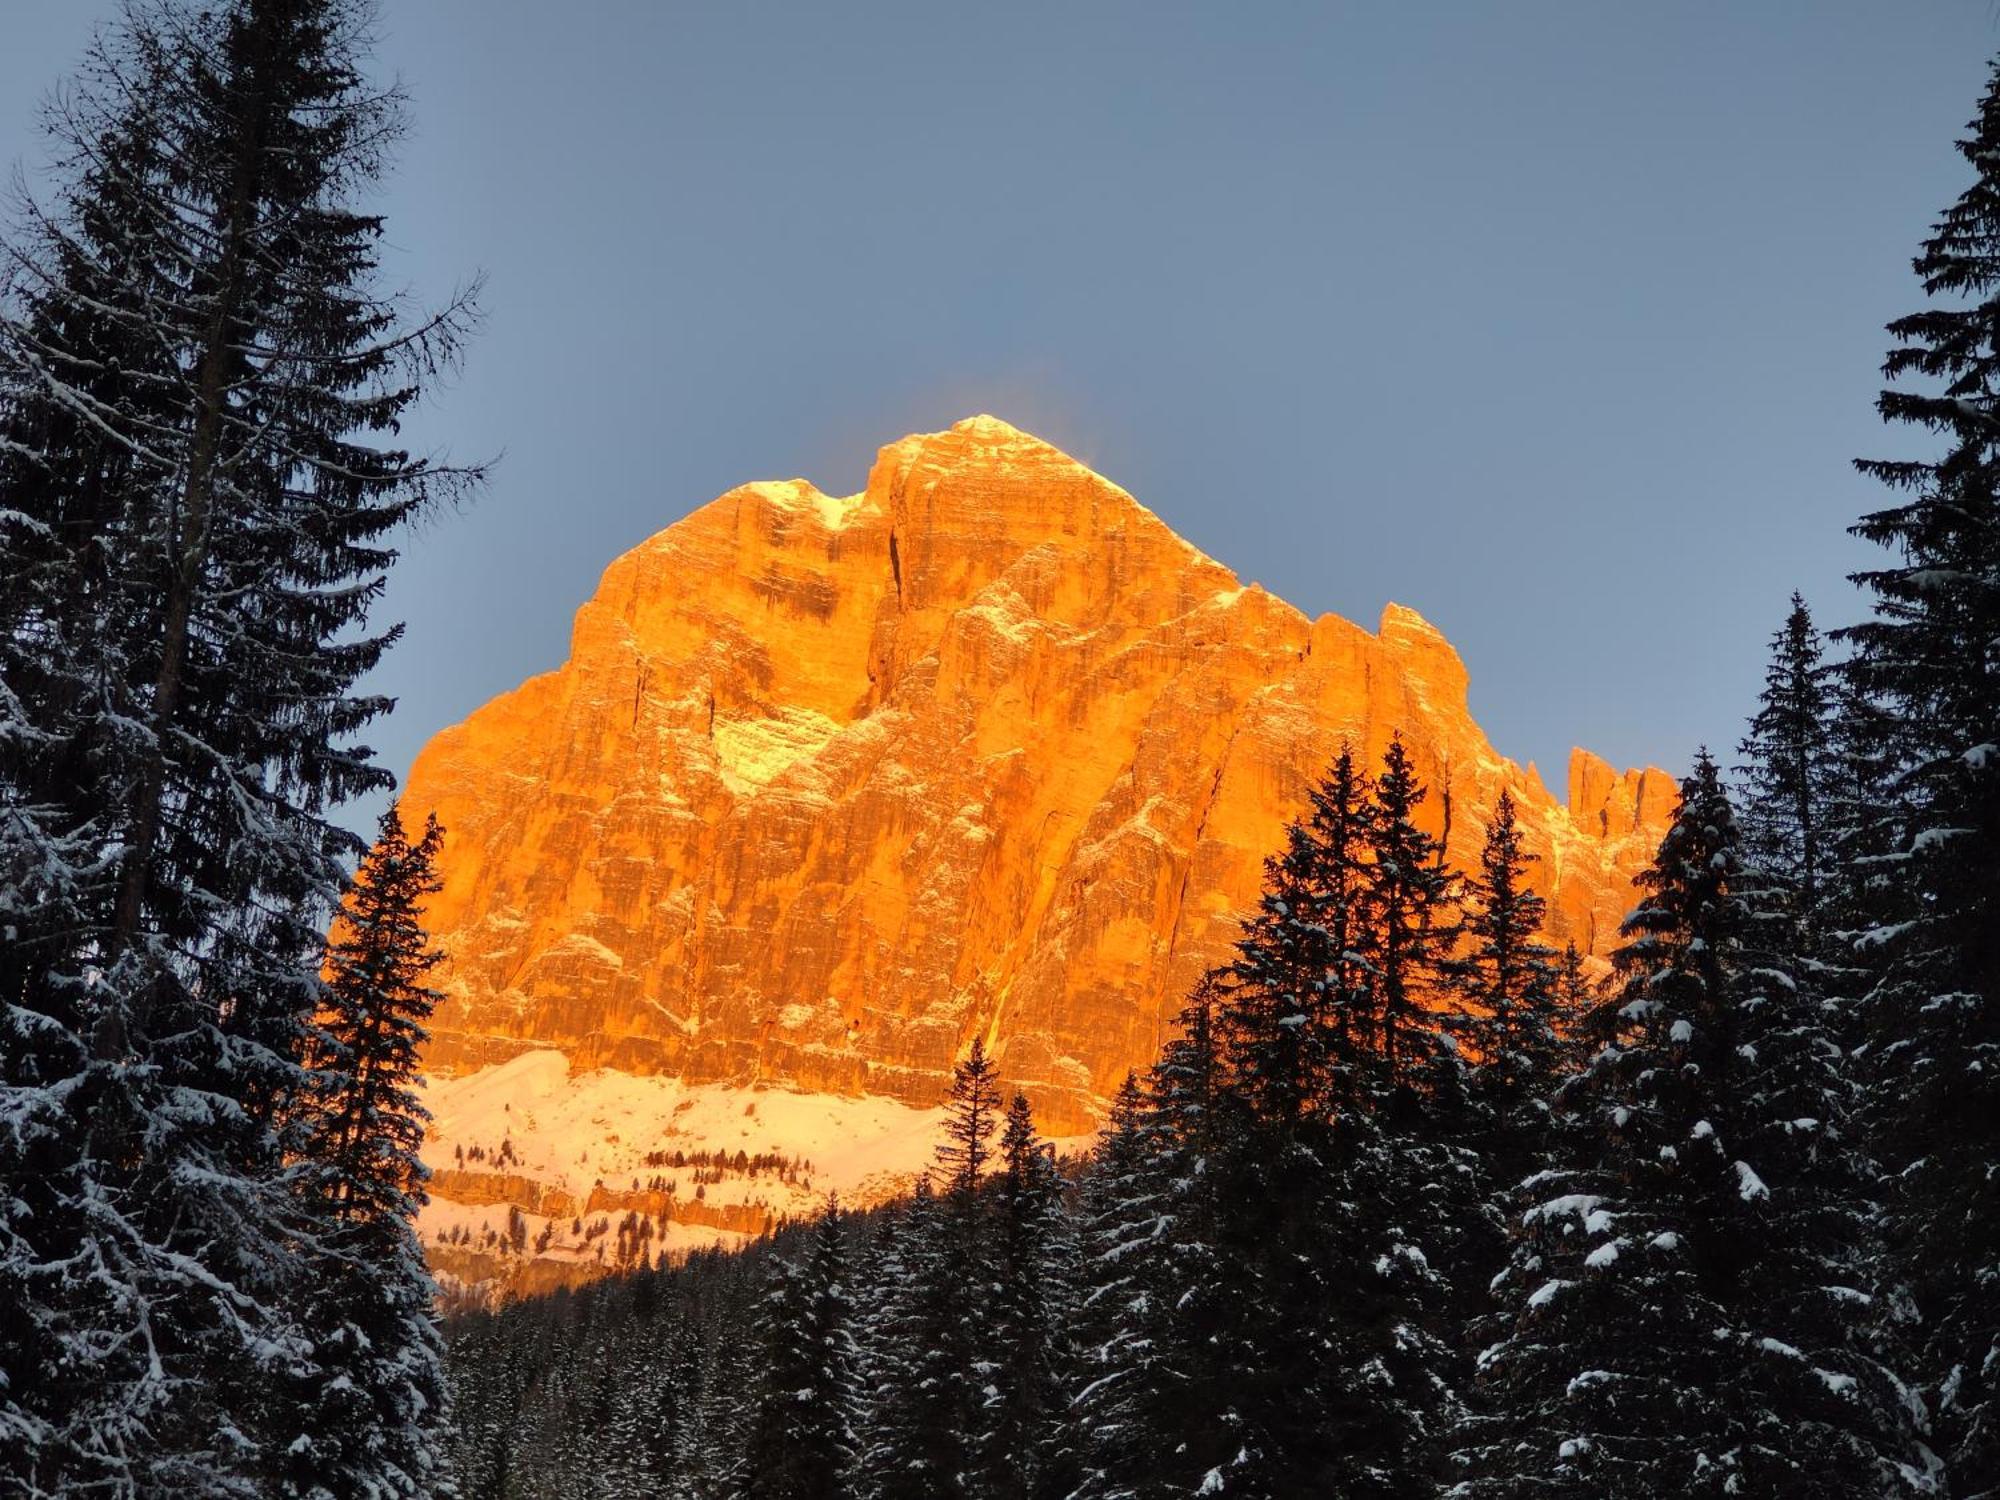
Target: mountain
x=828, y=786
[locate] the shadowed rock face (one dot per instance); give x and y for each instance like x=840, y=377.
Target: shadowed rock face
x=829, y=786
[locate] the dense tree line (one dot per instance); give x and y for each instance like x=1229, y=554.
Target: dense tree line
x=209, y=1283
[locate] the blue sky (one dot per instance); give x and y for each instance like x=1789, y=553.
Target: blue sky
x=1557, y=322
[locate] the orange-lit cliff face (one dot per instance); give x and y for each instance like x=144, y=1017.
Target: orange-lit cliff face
x=829, y=786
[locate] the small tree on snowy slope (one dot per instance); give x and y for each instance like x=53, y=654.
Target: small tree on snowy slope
x=1684, y=1312
x=1927, y=665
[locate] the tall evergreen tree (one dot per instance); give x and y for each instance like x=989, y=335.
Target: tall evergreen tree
x=933, y=1324
x=1297, y=1023
x=1685, y=1311
x=1412, y=1195
x=1926, y=669
x=370, y=1410
x=1412, y=932
x=1510, y=987
x=196, y=368
x=972, y=1114
x=800, y=1440
x=1299, y=999
x=1510, y=1014
x=921, y=1407
x=1329, y=1189
x=1030, y=1364
x=714, y=1461
x=1126, y=1379
x=1791, y=770
x=1166, y=1316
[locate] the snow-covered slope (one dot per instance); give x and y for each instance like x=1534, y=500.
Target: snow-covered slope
x=543, y=1176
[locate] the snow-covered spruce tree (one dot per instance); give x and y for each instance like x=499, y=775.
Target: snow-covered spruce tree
x=1297, y=1024
x=714, y=1462
x=920, y=1406
x=662, y=1407
x=1199, y=1129
x=1125, y=1378
x=1412, y=1195
x=1165, y=1323
x=1330, y=1201
x=1791, y=769
x=799, y=1443
x=1509, y=1014
x=644, y=1433
x=923, y=1394
x=1687, y=1310
x=195, y=367
x=1927, y=664
x=1029, y=1367
x=370, y=1409
x=882, y=1296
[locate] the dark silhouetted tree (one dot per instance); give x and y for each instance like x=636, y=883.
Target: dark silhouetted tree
x=1791, y=768
x=1030, y=1364
x=1687, y=1309
x=1510, y=985
x=200, y=380
x=800, y=1440
x=1925, y=669
x=370, y=1409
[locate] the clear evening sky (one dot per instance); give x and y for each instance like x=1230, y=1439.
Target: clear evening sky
x=1557, y=322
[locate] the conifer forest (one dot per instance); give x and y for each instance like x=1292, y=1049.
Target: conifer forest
x=1414, y=1202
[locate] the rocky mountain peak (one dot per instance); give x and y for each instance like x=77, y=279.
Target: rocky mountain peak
x=830, y=784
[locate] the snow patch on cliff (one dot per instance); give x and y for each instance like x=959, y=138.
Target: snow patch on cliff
x=752, y=753
x=803, y=497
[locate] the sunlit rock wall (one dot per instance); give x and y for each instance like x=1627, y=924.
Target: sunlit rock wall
x=829, y=786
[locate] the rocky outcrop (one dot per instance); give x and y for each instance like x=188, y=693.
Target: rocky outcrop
x=830, y=785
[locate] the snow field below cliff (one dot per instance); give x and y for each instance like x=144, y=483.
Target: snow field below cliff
x=532, y=1118
x=571, y=1131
